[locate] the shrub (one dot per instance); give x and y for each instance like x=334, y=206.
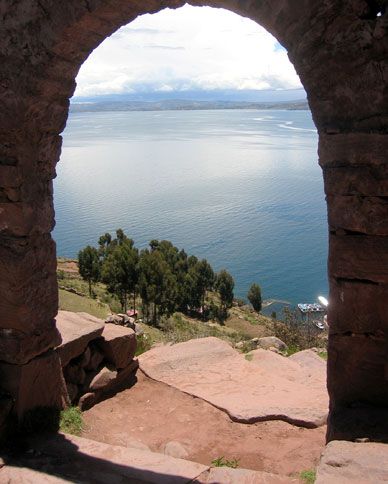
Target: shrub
x=71, y=421
x=222, y=462
x=308, y=476
x=297, y=334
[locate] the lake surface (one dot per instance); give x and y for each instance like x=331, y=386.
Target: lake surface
x=240, y=187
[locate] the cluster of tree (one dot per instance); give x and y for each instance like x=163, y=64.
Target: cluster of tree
x=165, y=278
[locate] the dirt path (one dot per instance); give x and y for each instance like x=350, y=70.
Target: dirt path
x=154, y=414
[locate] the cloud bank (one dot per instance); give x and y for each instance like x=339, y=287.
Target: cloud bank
x=191, y=48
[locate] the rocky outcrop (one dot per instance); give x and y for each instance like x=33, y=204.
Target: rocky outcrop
x=97, y=358
x=269, y=387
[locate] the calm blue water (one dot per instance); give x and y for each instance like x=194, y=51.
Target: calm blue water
x=239, y=187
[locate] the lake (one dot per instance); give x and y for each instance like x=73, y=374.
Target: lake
x=241, y=188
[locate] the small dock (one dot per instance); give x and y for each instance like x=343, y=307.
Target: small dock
x=311, y=308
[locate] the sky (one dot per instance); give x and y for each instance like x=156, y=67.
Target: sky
x=188, y=49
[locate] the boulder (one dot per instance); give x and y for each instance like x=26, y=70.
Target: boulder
x=271, y=341
x=102, y=379
x=138, y=329
x=118, y=344
x=209, y=368
x=348, y=462
x=175, y=449
x=77, y=330
x=38, y=383
x=108, y=382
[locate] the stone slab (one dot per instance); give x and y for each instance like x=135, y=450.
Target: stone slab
x=356, y=463
x=248, y=392
x=66, y=458
x=77, y=330
x=83, y=460
x=118, y=344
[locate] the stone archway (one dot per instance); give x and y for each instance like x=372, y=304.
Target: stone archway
x=339, y=50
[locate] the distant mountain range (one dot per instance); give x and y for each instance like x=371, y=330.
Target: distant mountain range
x=182, y=104
x=192, y=100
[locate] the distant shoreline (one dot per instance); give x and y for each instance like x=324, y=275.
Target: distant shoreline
x=183, y=105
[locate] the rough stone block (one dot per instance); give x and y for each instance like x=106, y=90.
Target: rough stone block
x=356, y=370
x=360, y=180
x=359, y=257
x=38, y=383
x=368, y=215
x=28, y=297
x=23, y=219
x=358, y=307
x=77, y=330
x=118, y=344
x=353, y=149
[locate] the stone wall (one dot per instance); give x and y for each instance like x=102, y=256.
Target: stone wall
x=339, y=49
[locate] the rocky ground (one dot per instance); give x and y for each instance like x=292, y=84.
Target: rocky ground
x=154, y=415
x=197, y=396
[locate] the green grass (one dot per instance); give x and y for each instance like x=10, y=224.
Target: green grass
x=323, y=354
x=308, y=476
x=249, y=357
x=71, y=421
x=222, y=462
x=72, y=302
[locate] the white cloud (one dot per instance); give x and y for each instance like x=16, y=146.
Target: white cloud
x=184, y=49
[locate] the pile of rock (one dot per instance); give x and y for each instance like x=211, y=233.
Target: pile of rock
x=97, y=358
x=122, y=319
x=271, y=343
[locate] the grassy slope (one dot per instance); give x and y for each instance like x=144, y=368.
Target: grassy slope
x=76, y=303
x=242, y=323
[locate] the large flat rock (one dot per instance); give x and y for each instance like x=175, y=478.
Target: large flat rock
x=76, y=459
x=77, y=330
x=248, y=391
x=356, y=463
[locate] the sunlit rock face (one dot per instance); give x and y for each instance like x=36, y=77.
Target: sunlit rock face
x=339, y=50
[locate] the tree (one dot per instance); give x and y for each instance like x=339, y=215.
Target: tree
x=224, y=285
x=120, y=270
x=89, y=265
x=254, y=297
x=157, y=286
